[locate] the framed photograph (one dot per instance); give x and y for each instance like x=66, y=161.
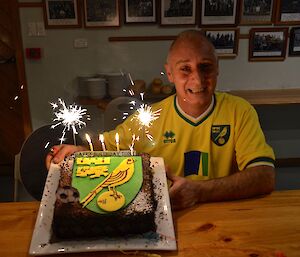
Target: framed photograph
x=294, y=46
x=101, y=13
x=267, y=44
x=61, y=14
x=225, y=41
x=256, y=12
x=140, y=11
x=218, y=13
x=178, y=12
x=288, y=12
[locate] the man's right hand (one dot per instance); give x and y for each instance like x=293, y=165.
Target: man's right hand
x=59, y=152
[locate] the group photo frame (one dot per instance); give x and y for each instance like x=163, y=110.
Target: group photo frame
x=61, y=14
x=225, y=41
x=294, y=44
x=178, y=12
x=267, y=44
x=288, y=12
x=257, y=12
x=218, y=13
x=101, y=13
x=140, y=11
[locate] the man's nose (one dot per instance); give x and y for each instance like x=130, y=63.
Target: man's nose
x=197, y=76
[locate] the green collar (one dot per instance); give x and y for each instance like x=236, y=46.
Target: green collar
x=186, y=117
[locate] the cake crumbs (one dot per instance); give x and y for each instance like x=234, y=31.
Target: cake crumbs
x=139, y=253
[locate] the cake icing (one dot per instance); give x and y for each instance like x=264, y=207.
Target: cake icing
x=119, y=191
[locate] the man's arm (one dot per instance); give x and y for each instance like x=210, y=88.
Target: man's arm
x=251, y=182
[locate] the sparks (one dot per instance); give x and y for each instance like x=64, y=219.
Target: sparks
x=69, y=116
x=145, y=116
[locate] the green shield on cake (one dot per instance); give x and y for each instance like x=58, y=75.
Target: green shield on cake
x=107, y=183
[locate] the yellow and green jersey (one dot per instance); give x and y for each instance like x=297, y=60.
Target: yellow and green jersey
x=227, y=135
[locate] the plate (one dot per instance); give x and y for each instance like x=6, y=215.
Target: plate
x=163, y=239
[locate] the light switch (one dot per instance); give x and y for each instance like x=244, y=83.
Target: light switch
x=40, y=29
x=31, y=29
x=80, y=43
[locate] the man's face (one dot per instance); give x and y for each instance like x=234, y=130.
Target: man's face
x=193, y=68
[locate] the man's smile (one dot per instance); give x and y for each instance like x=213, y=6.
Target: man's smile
x=195, y=90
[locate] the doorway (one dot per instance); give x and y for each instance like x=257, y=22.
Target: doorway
x=15, y=124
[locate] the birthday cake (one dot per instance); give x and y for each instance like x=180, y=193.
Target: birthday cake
x=104, y=194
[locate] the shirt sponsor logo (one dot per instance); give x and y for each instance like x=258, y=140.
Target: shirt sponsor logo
x=169, y=137
x=195, y=163
x=220, y=134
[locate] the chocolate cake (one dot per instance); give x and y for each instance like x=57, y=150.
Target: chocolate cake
x=77, y=216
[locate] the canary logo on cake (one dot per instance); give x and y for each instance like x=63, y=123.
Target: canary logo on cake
x=107, y=184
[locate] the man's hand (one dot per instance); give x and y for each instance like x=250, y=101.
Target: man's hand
x=183, y=192
x=251, y=182
x=59, y=152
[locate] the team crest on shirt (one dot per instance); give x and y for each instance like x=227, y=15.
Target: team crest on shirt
x=220, y=134
x=169, y=137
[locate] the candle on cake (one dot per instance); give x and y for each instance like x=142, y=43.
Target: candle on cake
x=90, y=142
x=117, y=142
x=101, y=138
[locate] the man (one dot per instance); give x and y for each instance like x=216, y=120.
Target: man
x=212, y=143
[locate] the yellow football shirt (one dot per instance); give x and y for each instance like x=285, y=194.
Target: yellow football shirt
x=227, y=134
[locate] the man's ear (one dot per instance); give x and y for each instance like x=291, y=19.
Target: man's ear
x=169, y=73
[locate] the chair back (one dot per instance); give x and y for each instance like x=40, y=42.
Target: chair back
x=118, y=110
x=32, y=168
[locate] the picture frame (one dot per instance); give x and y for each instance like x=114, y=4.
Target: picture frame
x=288, y=12
x=225, y=41
x=178, y=13
x=257, y=12
x=61, y=14
x=216, y=13
x=136, y=11
x=294, y=44
x=267, y=44
x=99, y=13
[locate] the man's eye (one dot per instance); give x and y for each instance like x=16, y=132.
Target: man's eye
x=206, y=67
x=185, y=69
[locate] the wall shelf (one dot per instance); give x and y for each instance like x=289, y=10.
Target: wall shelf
x=269, y=96
x=255, y=97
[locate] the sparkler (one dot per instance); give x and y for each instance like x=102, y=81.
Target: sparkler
x=69, y=116
x=145, y=116
x=134, y=138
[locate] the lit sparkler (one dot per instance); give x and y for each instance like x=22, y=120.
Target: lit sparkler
x=69, y=116
x=145, y=116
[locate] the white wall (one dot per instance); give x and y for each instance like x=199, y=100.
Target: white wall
x=55, y=74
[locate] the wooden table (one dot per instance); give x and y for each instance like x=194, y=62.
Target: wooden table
x=267, y=226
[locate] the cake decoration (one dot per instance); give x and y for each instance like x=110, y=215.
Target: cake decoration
x=107, y=183
x=118, y=176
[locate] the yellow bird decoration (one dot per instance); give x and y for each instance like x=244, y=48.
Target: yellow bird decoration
x=118, y=176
